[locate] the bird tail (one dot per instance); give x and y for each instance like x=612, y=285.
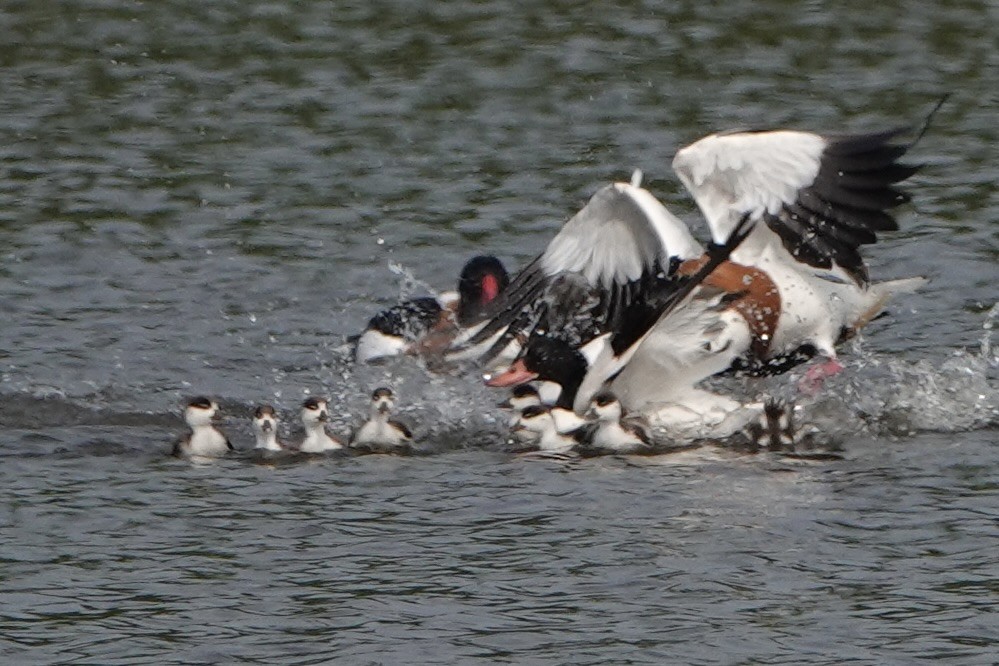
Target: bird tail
x=878, y=295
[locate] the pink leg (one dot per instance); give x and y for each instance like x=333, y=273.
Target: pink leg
x=816, y=376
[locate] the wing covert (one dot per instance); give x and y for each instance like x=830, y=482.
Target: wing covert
x=823, y=197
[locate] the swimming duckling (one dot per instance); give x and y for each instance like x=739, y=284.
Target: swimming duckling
x=315, y=414
x=524, y=395
x=380, y=433
x=613, y=431
x=265, y=422
x=204, y=439
x=539, y=422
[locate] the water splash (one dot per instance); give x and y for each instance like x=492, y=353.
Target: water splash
x=986, y=344
x=877, y=396
x=901, y=397
x=409, y=284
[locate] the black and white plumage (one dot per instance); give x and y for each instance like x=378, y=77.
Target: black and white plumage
x=582, y=364
x=265, y=426
x=381, y=433
x=620, y=251
x=430, y=323
x=815, y=200
x=542, y=432
x=658, y=386
x=521, y=397
x=204, y=439
x=524, y=395
x=315, y=416
x=818, y=199
x=615, y=431
x=777, y=429
x=822, y=197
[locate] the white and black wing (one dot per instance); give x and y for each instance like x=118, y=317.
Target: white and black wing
x=823, y=196
x=621, y=234
x=608, y=355
x=596, y=267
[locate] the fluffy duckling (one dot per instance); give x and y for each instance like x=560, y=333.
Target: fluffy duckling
x=537, y=420
x=204, y=439
x=380, y=433
x=265, y=422
x=613, y=431
x=522, y=396
x=315, y=414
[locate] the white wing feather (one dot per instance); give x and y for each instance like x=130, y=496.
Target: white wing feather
x=620, y=233
x=730, y=175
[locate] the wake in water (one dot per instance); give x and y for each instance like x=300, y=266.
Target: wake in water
x=877, y=396
x=887, y=396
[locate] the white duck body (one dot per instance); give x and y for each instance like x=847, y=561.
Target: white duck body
x=207, y=441
x=821, y=199
x=693, y=343
x=380, y=431
x=820, y=307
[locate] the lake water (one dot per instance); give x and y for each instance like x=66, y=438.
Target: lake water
x=207, y=198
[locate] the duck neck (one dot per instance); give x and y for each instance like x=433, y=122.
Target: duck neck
x=267, y=440
x=379, y=416
x=570, y=387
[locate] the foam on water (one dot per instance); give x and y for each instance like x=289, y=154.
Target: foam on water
x=877, y=395
x=891, y=396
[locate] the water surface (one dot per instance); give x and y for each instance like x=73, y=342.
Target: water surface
x=207, y=198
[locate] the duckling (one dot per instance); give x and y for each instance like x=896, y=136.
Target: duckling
x=204, y=439
x=265, y=422
x=538, y=421
x=521, y=397
x=524, y=395
x=315, y=414
x=614, y=431
x=381, y=434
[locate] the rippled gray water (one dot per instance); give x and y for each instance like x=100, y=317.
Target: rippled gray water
x=208, y=197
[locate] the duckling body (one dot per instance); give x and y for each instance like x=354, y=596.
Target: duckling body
x=204, y=439
x=381, y=433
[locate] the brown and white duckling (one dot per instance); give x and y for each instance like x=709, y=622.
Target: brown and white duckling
x=614, y=431
x=380, y=433
x=777, y=429
x=537, y=420
x=315, y=415
x=204, y=439
x=265, y=422
x=522, y=396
